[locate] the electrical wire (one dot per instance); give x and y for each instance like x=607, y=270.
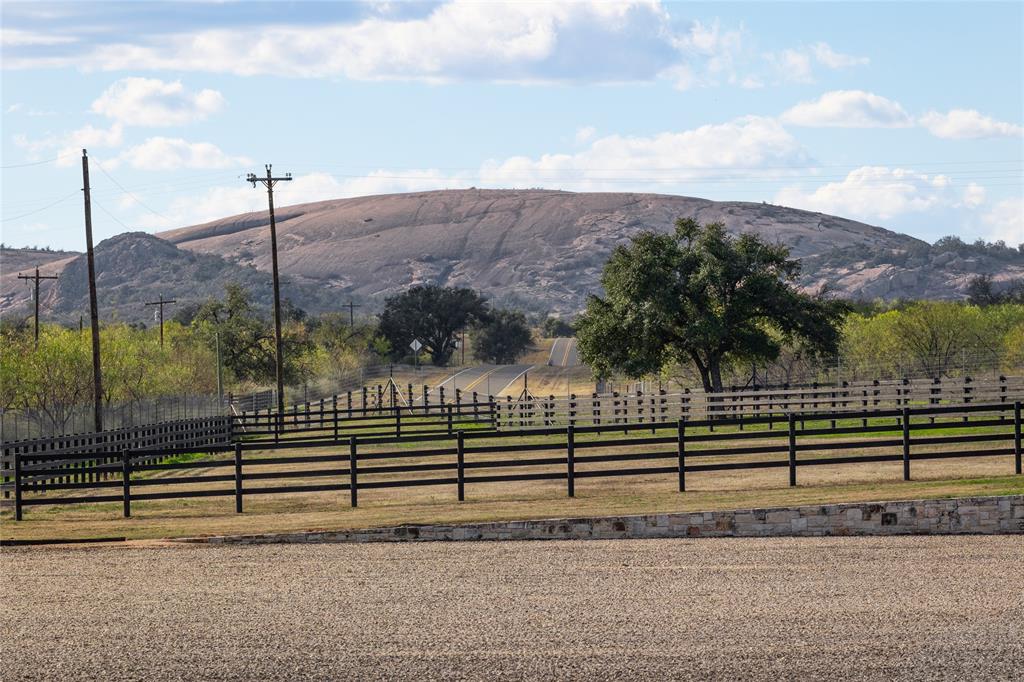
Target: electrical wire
x=40, y=210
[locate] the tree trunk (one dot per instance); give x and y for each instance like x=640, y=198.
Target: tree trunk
x=715, y=370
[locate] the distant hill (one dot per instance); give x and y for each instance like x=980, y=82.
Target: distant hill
x=135, y=267
x=539, y=250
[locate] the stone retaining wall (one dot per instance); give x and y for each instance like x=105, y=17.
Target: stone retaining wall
x=967, y=515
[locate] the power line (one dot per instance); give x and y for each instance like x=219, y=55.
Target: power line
x=39, y=163
x=40, y=210
x=139, y=201
x=111, y=215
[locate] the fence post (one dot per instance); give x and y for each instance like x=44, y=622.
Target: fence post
x=449, y=419
x=238, y=478
x=791, y=418
x=126, y=485
x=461, y=467
x=335, y=420
x=398, y=421
x=906, y=443
x=1016, y=437
x=353, y=484
x=681, y=452
x=570, y=458
x=17, y=481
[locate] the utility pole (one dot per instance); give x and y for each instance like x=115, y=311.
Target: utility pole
x=94, y=314
x=352, y=314
x=269, y=183
x=36, y=277
x=220, y=376
x=162, y=303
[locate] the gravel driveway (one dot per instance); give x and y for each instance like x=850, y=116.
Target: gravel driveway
x=835, y=608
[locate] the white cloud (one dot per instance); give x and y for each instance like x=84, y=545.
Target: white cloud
x=613, y=162
x=666, y=159
x=967, y=124
x=70, y=144
x=11, y=37
x=794, y=65
x=1006, y=221
x=711, y=55
x=849, y=109
x=791, y=65
x=874, y=193
x=153, y=102
x=826, y=56
x=585, y=134
x=458, y=40
x=974, y=195
x=164, y=153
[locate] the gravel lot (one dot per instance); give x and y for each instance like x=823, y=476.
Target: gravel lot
x=836, y=608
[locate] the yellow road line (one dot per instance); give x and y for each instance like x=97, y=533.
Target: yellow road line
x=480, y=378
x=565, y=356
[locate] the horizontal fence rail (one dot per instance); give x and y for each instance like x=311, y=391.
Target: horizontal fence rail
x=571, y=454
x=70, y=457
x=374, y=406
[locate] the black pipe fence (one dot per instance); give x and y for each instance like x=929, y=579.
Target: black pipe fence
x=466, y=458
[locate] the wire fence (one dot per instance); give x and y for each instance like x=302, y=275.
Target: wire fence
x=62, y=420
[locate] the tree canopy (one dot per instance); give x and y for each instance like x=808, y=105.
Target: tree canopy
x=502, y=338
x=432, y=314
x=247, y=337
x=701, y=296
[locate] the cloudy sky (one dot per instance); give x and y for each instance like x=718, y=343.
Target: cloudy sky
x=902, y=115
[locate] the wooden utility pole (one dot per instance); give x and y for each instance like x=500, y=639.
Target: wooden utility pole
x=269, y=183
x=36, y=277
x=352, y=313
x=162, y=303
x=94, y=315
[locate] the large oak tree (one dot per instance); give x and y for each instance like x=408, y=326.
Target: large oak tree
x=701, y=296
x=433, y=315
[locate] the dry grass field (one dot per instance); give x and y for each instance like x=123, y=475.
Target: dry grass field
x=898, y=608
x=645, y=493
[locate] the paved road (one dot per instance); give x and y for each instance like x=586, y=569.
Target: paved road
x=896, y=608
x=564, y=353
x=485, y=380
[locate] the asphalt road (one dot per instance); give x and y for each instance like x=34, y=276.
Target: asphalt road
x=564, y=353
x=894, y=608
x=485, y=380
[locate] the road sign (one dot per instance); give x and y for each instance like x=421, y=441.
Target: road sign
x=416, y=345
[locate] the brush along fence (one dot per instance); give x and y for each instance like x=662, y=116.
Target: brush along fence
x=572, y=454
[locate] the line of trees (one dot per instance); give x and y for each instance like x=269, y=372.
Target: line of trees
x=697, y=305
x=54, y=379
x=702, y=305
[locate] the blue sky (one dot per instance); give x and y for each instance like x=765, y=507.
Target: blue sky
x=905, y=115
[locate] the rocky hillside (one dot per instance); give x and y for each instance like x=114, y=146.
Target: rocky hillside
x=133, y=268
x=536, y=249
x=544, y=249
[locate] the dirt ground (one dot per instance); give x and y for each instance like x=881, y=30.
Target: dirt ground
x=779, y=609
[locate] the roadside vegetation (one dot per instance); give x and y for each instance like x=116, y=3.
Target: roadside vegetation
x=698, y=307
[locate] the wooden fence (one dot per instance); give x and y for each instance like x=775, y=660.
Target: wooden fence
x=73, y=453
x=574, y=453
x=388, y=411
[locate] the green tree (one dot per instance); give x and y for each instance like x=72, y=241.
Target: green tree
x=432, y=314
x=247, y=338
x=555, y=327
x=704, y=297
x=502, y=338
